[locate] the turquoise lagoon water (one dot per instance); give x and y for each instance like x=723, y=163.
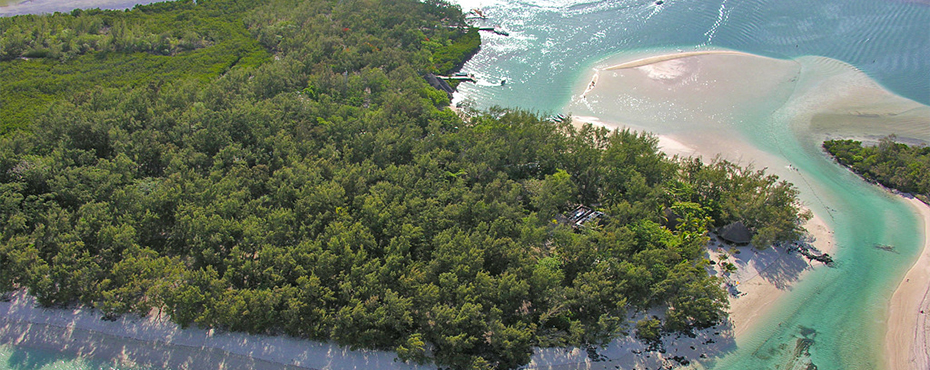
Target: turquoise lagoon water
x=13, y=358
x=834, y=318
x=553, y=44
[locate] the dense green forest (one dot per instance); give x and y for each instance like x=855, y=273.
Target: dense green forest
x=51, y=57
x=323, y=190
x=895, y=165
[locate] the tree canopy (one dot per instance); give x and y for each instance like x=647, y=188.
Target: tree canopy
x=895, y=165
x=323, y=190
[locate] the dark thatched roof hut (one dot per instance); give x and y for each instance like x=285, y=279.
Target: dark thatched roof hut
x=670, y=219
x=735, y=233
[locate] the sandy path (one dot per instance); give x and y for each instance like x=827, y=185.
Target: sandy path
x=906, y=344
x=118, y=350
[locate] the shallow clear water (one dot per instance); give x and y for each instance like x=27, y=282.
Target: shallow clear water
x=14, y=358
x=554, y=43
x=838, y=312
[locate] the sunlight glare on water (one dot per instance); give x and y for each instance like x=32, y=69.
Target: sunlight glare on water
x=836, y=62
x=822, y=47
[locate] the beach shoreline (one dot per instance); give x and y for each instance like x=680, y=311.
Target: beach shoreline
x=852, y=97
x=153, y=341
x=753, y=291
x=760, y=293
x=906, y=342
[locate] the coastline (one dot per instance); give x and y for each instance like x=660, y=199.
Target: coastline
x=232, y=351
x=760, y=281
x=760, y=292
x=906, y=339
x=156, y=342
x=818, y=97
x=763, y=277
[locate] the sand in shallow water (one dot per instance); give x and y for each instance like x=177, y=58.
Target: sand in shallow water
x=906, y=341
x=696, y=102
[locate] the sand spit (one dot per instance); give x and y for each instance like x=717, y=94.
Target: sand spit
x=157, y=343
x=836, y=101
x=667, y=57
x=694, y=100
x=906, y=342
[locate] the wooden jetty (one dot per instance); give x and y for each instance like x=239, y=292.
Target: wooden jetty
x=459, y=77
x=495, y=30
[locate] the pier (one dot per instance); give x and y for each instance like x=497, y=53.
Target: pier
x=495, y=30
x=459, y=77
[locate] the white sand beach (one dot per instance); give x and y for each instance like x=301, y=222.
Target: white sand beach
x=692, y=100
x=693, y=97
x=762, y=277
x=906, y=342
x=768, y=274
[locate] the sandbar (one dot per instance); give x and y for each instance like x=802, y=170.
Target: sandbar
x=667, y=57
x=692, y=102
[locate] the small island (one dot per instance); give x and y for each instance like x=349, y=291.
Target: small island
x=894, y=165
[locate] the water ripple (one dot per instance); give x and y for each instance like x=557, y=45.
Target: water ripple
x=887, y=40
